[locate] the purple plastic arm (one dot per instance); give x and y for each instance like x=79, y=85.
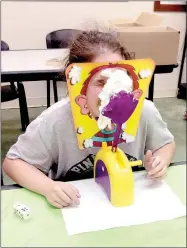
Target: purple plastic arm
x=120, y=107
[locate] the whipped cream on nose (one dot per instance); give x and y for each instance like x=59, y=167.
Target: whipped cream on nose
x=118, y=80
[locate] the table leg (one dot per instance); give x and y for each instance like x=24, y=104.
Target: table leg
x=48, y=94
x=151, y=89
x=55, y=90
x=23, y=106
x=2, y=182
x=182, y=61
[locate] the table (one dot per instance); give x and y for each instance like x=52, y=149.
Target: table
x=182, y=86
x=32, y=65
x=160, y=69
x=47, y=228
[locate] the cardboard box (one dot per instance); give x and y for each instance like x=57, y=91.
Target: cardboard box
x=147, y=38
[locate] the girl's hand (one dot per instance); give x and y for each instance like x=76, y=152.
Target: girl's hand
x=60, y=194
x=155, y=166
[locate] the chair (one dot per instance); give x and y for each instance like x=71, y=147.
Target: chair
x=11, y=92
x=58, y=39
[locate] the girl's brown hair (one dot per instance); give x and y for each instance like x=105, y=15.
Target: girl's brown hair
x=88, y=44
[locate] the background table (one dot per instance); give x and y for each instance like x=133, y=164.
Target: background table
x=160, y=69
x=30, y=65
x=47, y=228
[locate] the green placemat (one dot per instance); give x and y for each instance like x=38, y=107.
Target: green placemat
x=46, y=228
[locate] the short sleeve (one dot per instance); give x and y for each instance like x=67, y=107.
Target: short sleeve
x=158, y=134
x=35, y=146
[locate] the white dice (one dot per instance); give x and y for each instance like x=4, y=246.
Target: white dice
x=22, y=211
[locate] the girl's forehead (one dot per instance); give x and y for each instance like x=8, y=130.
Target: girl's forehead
x=108, y=56
x=99, y=75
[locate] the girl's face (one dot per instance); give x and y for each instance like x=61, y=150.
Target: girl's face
x=97, y=83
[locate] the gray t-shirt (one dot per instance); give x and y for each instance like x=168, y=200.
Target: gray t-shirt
x=50, y=142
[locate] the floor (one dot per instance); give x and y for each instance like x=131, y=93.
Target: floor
x=171, y=109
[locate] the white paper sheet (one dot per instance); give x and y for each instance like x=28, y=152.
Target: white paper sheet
x=154, y=201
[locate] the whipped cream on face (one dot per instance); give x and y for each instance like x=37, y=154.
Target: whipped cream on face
x=118, y=80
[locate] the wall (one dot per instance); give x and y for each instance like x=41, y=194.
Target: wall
x=25, y=25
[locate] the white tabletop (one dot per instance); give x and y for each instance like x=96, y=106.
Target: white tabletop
x=31, y=61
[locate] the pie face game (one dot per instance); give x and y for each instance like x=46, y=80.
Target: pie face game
x=106, y=95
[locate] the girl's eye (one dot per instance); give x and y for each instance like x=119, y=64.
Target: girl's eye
x=101, y=82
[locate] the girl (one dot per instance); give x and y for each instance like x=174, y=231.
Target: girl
x=47, y=154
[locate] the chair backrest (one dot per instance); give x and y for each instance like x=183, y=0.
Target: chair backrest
x=61, y=38
x=4, y=46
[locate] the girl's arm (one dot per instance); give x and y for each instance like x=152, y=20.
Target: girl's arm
x=27, y=175
x=58, y=194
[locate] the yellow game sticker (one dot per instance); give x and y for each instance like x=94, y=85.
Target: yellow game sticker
x=82, y=82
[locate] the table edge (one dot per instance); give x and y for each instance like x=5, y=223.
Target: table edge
x=34, y=49
x=32, y=71
x=17, y=186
